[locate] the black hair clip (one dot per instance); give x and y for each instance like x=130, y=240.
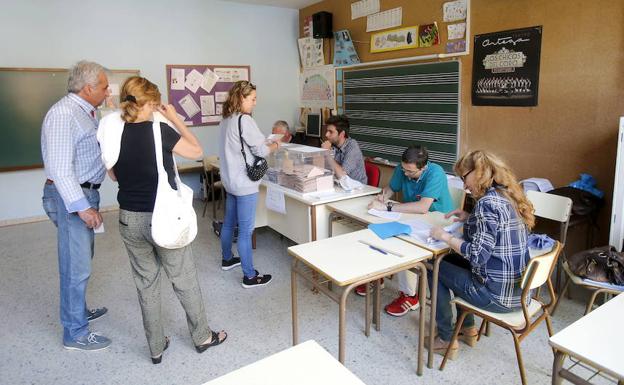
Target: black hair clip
x=130, y=98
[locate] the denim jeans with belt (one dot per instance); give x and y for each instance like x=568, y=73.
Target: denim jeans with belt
x=75, y=251
x=455, y=275
x=241, y=211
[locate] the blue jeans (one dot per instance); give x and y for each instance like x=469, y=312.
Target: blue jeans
x=455, y=275
x=75, y=250
x=241, y=211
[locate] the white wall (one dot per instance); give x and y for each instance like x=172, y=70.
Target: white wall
x=147, y=35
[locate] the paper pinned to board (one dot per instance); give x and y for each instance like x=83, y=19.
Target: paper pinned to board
x=275, y=200
x=384, y=20
x=364, y=8
x=454, y=10
x=210, y=79
x=193, y=80
x=189, y=105
x=177, y=79
x=456, y=31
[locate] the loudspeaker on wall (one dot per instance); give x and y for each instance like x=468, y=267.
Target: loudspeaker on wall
x=322, y=25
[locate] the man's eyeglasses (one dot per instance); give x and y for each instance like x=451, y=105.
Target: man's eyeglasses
x=463, y=177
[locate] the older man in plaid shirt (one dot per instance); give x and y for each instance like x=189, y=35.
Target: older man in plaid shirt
x=74, y=169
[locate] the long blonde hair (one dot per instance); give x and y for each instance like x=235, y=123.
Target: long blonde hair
x=491, y=171
x=241, y=89
x=135, y=93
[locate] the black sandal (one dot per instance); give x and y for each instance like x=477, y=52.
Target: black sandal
x=157, y=360
x=213, y=342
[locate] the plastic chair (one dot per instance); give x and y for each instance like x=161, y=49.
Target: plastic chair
x=210, y=188
x=372, y=173
x=458, y=196
x=554, y=208
x=521, y=322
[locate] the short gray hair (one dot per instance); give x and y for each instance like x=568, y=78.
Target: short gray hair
x=83, y=73
x=283, y=124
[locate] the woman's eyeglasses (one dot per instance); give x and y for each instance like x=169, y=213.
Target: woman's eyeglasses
x=463, y=177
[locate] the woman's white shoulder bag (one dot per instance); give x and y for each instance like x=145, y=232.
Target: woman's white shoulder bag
x=174, y=222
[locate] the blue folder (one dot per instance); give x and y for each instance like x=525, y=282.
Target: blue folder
x=389, y=229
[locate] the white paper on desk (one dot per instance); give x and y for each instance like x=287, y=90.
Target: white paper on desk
x=193, y=80
x=275, y=200
x=99, y=229
x=207, y=104
x=384, y=20
x=421, y=230
x=393, y=215
x=210, y=79
x=221, y=97
x=456, y=31
x=189, y=105
x=177, y=79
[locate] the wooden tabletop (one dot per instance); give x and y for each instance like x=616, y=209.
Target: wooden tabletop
x=345, y=259
x=304, y=364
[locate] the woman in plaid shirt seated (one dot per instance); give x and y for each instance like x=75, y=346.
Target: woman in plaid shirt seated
x=493, y=253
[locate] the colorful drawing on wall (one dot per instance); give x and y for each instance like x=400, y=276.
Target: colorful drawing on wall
x=455, y=10
x=401, y=38
x=428, y=35
x=505, y=68
x=316, y=87
x=456, y=46
x=194, y=90
x=344, y=52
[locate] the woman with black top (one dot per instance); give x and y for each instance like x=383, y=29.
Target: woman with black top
x=137, y=174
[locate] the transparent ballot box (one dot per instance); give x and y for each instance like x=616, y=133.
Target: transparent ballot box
x=301, y=168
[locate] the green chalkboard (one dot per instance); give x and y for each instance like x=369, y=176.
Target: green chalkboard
x=390, y=108
x=26, y=95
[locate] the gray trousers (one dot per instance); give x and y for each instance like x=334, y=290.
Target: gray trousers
x=148, y=260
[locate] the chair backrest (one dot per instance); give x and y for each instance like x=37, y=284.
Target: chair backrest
x=372, y=173
x=550, y=206
x=458, y=196
x=540, y=268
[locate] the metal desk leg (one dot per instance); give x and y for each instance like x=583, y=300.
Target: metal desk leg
x=342, y=324
x=367, y=317
x=434, y=298
x=557, y=365
x=212, y=192
x=377, y=306
x=293, y=294
x=422, y=293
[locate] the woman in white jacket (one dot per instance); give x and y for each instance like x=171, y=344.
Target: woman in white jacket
x=242, y=192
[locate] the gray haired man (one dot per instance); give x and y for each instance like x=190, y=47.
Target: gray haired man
x=74, y=172
x=281, y=128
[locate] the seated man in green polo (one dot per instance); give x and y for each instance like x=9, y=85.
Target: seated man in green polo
x=424, y=187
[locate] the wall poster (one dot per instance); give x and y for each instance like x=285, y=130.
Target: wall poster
x=505, y=68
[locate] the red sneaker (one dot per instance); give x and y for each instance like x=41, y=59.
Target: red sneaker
x=402, y=304
x=361, y=290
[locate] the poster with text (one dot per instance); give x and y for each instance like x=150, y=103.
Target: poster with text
x=505, y=68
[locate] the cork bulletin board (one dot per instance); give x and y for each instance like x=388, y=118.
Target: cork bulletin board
x=198, y=91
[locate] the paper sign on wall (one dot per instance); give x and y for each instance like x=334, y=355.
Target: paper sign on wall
x=275, y=200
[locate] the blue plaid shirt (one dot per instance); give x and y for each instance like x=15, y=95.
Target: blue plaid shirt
x=495, y=243
x=350, y=157
x=70, y=150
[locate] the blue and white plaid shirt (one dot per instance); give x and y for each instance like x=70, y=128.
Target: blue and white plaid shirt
x=495, y=243
x=70, y=150
x=350, y=157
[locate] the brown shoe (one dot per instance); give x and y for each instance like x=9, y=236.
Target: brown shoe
x=469, y=335
x=440, y=346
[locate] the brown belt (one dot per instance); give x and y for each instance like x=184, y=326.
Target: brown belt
x=89, y=185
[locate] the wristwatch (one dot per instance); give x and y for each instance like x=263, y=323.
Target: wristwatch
x=389, y=205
